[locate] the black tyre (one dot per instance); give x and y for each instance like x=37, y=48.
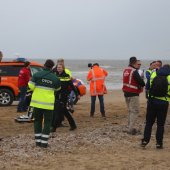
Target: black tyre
x=6, y=97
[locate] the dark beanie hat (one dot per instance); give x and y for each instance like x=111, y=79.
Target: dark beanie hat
x=132, y=60
x=96, y=64
x=27, y=63
x=49, y=63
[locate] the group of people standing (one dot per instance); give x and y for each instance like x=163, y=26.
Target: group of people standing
x=157, y=90
x=158, y=95
x=51, y=88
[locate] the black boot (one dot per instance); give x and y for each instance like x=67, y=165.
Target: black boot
x=44, y=145
x=53, y=129
x=73, y=128
x=103, y=115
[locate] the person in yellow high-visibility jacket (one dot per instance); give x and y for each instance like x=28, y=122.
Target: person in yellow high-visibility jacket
x=157, y=109
x=44, y=84
x=67, y=71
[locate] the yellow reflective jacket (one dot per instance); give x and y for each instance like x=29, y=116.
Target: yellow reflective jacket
x=166, y=98
x=44, y=84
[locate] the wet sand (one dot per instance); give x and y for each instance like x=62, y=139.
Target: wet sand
x=97, y=144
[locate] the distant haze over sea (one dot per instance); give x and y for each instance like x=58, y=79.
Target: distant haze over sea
x=79, y=69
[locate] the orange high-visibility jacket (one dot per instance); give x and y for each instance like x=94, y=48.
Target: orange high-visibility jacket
x=96, y=76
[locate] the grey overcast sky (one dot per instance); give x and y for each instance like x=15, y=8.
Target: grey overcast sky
x=85, y=29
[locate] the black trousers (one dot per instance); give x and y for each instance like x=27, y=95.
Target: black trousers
x=60, y=111
x=58, y=115
x=155, y=110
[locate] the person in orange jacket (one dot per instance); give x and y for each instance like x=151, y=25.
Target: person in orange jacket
x=96, y=76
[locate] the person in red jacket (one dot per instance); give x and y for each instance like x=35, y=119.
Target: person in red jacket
x=132, y=85
x=23, y=79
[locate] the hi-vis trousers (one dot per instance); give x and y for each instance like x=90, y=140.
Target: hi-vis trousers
x=42, y=131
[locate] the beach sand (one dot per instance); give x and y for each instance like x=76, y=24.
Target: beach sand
x=97, y=144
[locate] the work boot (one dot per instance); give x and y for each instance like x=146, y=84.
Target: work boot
x=91, y=114
x=62, y=125
x=143, y=143
x=73, y=128
x=159, y=146
x=44, y=145
x=103, y=115
x=38, y=144
x=53, y=129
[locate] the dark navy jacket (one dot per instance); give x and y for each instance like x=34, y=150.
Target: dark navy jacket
x=163, y=71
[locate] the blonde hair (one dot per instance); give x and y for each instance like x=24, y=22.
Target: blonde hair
x=62, y=64
x=60, y=60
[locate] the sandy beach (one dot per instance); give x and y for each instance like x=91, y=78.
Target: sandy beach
x=97, y=144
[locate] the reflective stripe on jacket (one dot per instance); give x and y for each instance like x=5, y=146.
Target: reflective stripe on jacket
x=129, y=83
x=167, y=98
x=67, y=71
x=97, y=76
x=66, y=86
x=44, y=84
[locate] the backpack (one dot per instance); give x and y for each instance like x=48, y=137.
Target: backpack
x=159, y=87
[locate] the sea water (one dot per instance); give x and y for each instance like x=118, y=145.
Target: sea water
x=79, y=69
